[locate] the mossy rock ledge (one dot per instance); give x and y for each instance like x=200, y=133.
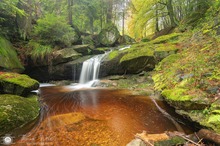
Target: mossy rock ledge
x=13, y=83
x=16, y=111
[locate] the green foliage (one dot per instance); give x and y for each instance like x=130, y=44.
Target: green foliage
x=52, y=30
x=38, y=50
x=10, y=7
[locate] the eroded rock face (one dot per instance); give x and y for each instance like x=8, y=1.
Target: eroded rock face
x=64, y=71
x=13, y=83
x=109, y=35
x=16, y=111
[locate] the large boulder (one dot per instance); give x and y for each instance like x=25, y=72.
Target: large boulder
x=16, y=111
x=13, y=83
x=65, y=55
x=109, y=35
x=126, y=40
x=8, y=57
x=87, y=49
x=138, y=59
x=135, y=59
x=164, y=50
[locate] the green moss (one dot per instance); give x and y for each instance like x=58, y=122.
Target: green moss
x=8, y=56
x=18, y=79
x=166, y=38
x=16, y=111
x=204, y=118
x=113, y=55
x=166, y=47
x=13, y=83
x=177, y=94
x=171, y=142
x=137, y=51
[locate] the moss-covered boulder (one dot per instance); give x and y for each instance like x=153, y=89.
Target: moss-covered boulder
x=181, y=98
x=13, y=83
x=163, y=50
x=109, y=35
x=65, y=55
x=8, y=57
x=111, y=64
x=138, y=58
x=16, y=111
x=206, y=118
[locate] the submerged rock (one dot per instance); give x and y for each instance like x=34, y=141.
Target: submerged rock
x=13, y=83
x=16, y=111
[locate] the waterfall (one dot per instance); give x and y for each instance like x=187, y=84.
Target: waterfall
x=90, y=70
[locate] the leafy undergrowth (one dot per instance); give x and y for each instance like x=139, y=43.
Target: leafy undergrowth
x=193, y=76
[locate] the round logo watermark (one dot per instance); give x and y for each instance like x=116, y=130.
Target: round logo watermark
x=7, y=140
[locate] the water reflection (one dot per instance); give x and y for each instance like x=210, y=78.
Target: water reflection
x=93, y=117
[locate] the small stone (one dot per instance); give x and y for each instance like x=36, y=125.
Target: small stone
x=136, y=142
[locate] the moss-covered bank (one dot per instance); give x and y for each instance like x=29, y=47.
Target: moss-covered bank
x=8, y=56
x=15, y=111
x=190, y=80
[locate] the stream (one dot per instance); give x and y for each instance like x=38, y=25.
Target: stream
x=82, y=115
x=92, y=117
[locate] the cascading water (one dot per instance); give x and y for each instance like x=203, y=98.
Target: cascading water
x=90, y=70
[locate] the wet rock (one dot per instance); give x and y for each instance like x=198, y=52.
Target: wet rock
x=109, y=35
x=136, y=142
x=13, y=83
x=16, y=111
x=111, y=64
x=64, y=71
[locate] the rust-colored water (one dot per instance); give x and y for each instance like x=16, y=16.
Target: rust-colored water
x=93, y=117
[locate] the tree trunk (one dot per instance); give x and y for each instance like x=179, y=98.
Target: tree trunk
x=171, y=13
x=109, y=11
x=157, y=19
x=70, y=12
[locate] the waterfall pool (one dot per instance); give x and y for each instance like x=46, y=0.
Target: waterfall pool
x=92, y=117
